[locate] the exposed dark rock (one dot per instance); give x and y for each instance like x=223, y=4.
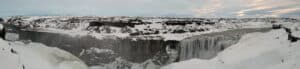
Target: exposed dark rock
x=290, y=36
x=182, y=23
x=276, y=26
x=1, y=20
x=174, y=44
x=293, y=38
x=178, y=31
x=13, y=51
x=108, y=23
x=210, y=23
x=2, y=31
x=23, y=66
x=288, y=30
x=135, y=34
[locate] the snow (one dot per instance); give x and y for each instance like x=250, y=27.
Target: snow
x=271, y=50
x=59, y=24
x=294, y=27
x=193, y=64
x=17, y=55
x=1, y=27
x=97, y=50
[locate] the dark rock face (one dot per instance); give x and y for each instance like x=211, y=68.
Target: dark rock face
x=182, y=23
x=186, y=22
x=107, y=23
x=179, y=31
x=2, y=31
x=290, y=36
x=95, y=23
x=1, y=20
x=276, y=26
x=120, y=23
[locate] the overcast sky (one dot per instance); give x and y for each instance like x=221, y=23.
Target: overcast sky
x=190, y=8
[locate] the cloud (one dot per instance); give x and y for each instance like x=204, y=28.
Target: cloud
x=208, y=10
x=266, y=6
x=198, y=8
x=284, y=11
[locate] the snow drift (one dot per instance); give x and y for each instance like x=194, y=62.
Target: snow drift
x=19, y=55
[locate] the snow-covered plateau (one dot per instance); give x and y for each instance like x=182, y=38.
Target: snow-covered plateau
x=167, y=28
x=92, y=42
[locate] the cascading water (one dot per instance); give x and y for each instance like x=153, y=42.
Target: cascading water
x=209, y=45
x=204, y=47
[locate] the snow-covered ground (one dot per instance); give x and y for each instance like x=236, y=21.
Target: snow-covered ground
x=64, y=25
x=271, y=50
x=19, y=55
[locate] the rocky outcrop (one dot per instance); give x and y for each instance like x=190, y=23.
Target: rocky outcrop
x=2, y=31
x=293, y=30
x=2, y=20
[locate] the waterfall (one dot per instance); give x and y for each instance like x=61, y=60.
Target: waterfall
x=204, y=47
x=137, y=51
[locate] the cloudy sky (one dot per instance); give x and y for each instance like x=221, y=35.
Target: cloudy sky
x=190, y=8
